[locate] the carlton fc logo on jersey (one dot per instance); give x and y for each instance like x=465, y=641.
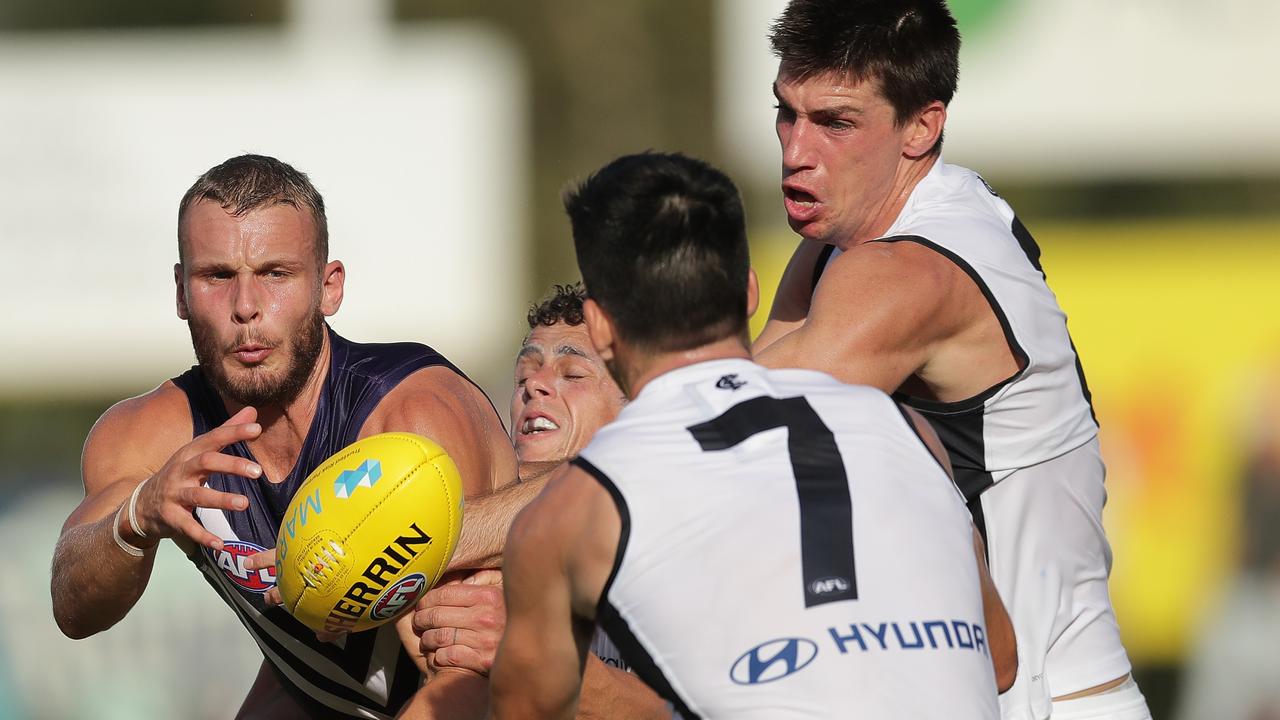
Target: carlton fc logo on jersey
x=365, y=475
x=773, y=660
x=730, y=382
x=230, y=560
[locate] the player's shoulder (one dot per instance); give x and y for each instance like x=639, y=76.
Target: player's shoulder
x=427, y=393
x=142, y=431
x=900, y=268
x=162, y=412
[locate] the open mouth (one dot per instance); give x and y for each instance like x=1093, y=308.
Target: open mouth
x=538, y=424
x=799, y=197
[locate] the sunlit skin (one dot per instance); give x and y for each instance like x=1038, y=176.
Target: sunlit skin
x=251, y=285
x=563, y=395
x=847, y=166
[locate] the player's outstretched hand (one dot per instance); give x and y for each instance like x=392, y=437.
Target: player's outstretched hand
x=460, y=624
x=167, y=499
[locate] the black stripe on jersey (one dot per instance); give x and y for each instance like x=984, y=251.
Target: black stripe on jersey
x=1021, y=355
x=314, y=677
x=902, y=409
x=608, y=617
x=978, y=480
x=1032, y=250
x=823, y=258
x=822, y=486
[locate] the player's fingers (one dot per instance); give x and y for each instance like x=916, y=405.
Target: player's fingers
x=205, y=497
x=436, y=638
x=224, y=435
x=212, y=461
x=272, y=597
x=463, y=595
x=464, y=658
x=424, y=619
x=488, y=576
x=187, y=525
x=264, y=559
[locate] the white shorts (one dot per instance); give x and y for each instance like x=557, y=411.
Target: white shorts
x=1050, y=560
x=1123, y=702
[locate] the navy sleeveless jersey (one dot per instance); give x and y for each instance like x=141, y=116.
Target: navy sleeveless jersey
x=364, y=675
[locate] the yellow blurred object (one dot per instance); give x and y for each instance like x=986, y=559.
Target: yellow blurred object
x=369, y=532
x=1175, y=323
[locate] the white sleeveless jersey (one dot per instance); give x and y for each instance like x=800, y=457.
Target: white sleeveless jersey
x=789, y=549
x=1041, y=412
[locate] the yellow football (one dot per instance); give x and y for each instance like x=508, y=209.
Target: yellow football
x=369, y=532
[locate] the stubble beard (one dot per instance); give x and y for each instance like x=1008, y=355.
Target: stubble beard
x=256, y=386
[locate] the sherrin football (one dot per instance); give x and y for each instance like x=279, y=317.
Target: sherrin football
x=369, y=532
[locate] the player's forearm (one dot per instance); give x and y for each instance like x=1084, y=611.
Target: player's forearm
x=94, y=583
x=608, y=692
x=527, y=692
x=486, y=521
x=449, y=695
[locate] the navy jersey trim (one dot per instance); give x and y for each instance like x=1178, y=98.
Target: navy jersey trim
x=902, y=410
x=608, y=617
x=975, y=401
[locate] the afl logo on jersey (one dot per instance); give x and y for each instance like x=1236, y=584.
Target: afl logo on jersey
x=230, y=560
x=773, y=660
x=828, y=585
x=398, y=596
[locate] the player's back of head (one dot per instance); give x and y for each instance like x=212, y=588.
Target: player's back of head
x=662, y=246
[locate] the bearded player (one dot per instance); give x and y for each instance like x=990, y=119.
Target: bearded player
x=211, y=458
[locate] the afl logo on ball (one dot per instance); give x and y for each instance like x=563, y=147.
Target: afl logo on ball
x=398, y=597
x=230, y=560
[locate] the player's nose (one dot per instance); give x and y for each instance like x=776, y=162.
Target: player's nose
x=246, y=304
x=539, y=384
x=797, y=146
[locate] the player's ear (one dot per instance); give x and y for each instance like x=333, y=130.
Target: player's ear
x=924, y=129
x=183, y=312
x=599, y=328
x=753, y=292
x=333, y=278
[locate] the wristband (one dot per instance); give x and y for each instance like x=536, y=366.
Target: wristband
x=115, y=532
x=133, y=518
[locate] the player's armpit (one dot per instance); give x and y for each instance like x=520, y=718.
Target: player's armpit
x=1000, y=636
x=608, y=692
x=876, y=316
x=439, y=404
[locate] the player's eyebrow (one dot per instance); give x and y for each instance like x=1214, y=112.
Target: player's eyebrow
x=574, y=350
x=529, y=351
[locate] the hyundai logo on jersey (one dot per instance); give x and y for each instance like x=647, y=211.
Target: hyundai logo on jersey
x=773, y=660
x=230, y=559
x=364, y=476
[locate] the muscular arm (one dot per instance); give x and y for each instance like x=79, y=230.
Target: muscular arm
x=94, y=583
x=876, y=318
x=559, y=554
x=608, y=692
x=488, y=520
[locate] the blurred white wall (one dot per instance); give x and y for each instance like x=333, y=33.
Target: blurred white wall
x=1063, y=89
x=415, y=135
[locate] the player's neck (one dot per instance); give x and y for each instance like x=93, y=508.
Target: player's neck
x=285, y=426
x=910, y=172
x=652, y=365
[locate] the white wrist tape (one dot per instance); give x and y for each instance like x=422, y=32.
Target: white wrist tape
x=115, y=532
x=133, y=517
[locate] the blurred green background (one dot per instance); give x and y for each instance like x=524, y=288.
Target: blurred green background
x=1168, y=270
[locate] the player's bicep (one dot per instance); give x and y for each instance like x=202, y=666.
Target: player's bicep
x=438, y=404
x=874, y=319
